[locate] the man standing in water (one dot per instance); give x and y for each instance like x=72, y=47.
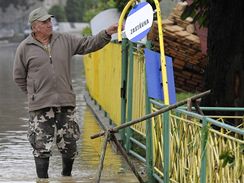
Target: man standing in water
x=42, y=71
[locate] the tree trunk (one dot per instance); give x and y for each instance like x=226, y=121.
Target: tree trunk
x=225, y=70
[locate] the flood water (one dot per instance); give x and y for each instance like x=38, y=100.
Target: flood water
x=16, y=160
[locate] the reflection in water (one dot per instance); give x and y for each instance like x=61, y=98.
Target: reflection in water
x=16, y=160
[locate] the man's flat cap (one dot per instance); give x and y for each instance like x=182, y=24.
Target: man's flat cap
x=39, y=14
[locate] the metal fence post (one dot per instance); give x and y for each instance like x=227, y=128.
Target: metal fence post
x=124, y=64
x=149, y=136
x=149, y=142
x=204, y=140
x=129, y=95
x=166, y=145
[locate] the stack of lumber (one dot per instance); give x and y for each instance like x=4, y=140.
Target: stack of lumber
x=183, y=45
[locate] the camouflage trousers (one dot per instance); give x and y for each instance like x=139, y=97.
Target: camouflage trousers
x=53, y=125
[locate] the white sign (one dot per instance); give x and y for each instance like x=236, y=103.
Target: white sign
x=139, y=21
x=97, y=23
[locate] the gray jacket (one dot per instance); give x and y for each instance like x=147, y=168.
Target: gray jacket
x=46, y=78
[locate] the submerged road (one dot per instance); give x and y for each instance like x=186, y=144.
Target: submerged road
x=16, y=160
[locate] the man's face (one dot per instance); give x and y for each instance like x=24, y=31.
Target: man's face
x=43, y=27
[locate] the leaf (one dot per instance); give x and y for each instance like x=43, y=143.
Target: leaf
x=201, y=21
x=227, y=157
x=223, y=155
x=242, y=148
x=225, y=161
x=198, y=10
x=188, y=12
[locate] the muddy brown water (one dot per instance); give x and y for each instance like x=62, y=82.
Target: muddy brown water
x=16, y=160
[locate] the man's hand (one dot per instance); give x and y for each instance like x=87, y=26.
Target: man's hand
x=112, y=29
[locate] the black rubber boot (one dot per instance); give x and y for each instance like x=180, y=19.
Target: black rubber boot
x=67, y=166
x=42, y=167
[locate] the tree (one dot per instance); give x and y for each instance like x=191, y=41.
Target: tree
x=85, y=10
x=225, y=70
x=120, y=4
x=75, y=10
x=16, y=3
x=58, y=12
x=96, y=7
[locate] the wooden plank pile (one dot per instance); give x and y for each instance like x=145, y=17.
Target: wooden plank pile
x=182, y=43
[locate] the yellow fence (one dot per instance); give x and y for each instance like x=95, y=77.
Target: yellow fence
x=224, y=149
x=103, y=81
x=139, y=94
x=103, y=78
